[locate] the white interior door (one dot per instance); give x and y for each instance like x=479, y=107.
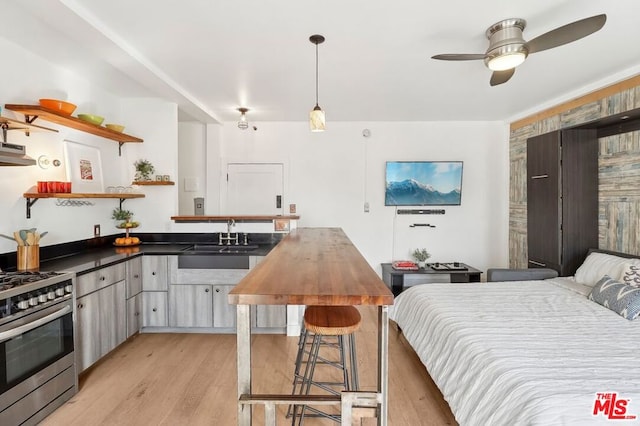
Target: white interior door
x=255, y=189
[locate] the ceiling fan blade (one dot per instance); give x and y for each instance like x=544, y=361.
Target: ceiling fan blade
x=459, y=56
x=499, y=77
x=566, y=34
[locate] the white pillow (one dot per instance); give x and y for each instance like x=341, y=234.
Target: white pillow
x=597, y=265
x=631, y=273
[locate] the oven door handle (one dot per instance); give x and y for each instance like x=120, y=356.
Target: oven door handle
x=24, y=328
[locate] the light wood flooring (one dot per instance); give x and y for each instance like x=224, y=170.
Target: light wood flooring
x=190, y=379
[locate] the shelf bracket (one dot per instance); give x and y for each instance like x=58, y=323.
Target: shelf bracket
x=121, y=201
x=120, y=148
x=30, y=118
x=30, y=202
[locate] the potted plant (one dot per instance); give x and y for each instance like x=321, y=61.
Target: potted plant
x=123, y=218
x=421, y=255
x=144, y=170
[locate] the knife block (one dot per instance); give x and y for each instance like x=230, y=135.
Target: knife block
x=28, y=258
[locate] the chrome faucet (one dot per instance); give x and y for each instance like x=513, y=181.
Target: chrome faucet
x=228, y=238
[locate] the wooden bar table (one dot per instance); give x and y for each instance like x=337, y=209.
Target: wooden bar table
x=310, y=266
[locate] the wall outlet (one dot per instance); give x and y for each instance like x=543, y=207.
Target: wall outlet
x=292, y=208
x=96, y=230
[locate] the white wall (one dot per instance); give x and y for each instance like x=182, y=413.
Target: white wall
x=332, y=174
x=28, y=78
x=191, y=165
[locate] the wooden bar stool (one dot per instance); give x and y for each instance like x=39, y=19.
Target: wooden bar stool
x=321, y=322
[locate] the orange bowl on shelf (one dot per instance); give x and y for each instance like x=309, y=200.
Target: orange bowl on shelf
x=90, y=118
x=115, y=127
x=62, y=107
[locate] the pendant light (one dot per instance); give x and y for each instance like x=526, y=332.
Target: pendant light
x=316, y=116
x=243, y=123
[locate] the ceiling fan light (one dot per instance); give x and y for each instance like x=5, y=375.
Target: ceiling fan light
x=317, y=119
x=507, y=61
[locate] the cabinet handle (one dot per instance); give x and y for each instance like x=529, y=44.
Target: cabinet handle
x=154, y=310
x=217, y=290
x=206, y=290
x=153, y=273
x=136, y=276
x=539, y=177
x=102, y=278
x=80, y=306
x=538, y=263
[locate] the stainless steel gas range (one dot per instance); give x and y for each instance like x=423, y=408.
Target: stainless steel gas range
x=37, y=360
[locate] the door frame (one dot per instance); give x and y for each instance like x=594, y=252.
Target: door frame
x=224, y=165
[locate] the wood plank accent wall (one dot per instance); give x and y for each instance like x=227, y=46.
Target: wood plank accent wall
x=618, y=164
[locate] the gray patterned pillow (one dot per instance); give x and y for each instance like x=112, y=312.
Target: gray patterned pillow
x=631, y=274
x=621, y=298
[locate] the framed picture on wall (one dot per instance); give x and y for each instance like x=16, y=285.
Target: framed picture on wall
x=84, y=167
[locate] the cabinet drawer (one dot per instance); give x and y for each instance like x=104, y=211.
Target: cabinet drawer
x=88, y=283
x=416, y=279
x=208, y=276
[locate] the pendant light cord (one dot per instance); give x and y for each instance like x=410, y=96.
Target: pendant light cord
x=317, y=74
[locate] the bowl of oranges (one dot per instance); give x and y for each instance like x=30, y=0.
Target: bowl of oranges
x=126, y=241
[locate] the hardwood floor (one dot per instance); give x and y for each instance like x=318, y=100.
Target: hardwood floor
x=190, y=379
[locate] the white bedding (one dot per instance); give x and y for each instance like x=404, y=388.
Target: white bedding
x=524, y=352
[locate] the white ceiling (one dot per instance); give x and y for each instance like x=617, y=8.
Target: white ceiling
x=213, y=56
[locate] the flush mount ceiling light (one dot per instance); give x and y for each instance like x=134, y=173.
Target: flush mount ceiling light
x=316, y=116
x=243, y=123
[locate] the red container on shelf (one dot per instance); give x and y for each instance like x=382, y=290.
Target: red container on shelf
x=66, y=186
x=51, y=186
x=42, y=187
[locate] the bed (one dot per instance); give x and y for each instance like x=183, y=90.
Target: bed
x=527, y=352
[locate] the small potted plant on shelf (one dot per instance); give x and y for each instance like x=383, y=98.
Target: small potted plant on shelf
x=421, y=255
x=144, y=170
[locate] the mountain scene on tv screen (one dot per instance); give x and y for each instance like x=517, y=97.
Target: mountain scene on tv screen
x=411, y=192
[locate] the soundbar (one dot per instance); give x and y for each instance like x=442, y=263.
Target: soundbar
x=420, y=211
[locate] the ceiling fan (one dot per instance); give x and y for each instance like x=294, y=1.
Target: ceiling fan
x=508, y=49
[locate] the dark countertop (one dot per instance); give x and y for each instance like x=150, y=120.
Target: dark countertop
x=88, y=261
x=86, y=256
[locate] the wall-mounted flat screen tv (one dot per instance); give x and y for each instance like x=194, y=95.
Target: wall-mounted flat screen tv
x=423, y=183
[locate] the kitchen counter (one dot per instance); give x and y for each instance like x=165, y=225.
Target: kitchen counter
x=88, y=261
x=311, y=266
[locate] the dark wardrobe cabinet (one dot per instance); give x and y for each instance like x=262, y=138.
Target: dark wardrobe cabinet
x=562, y=198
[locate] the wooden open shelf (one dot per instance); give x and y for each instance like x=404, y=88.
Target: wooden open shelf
x=32, y=197
x=9, y=124
x=32, y=112
x=122, y=196
x=152, y=182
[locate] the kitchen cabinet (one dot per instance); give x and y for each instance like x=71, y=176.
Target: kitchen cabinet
x=224, y=314
x=267, y=316
x=133, y=269
x=133, y=295
x=191, y=305
x=154, y=309
x=134, y=314
x=198, y=296
x=562, y=198
x=101, y=323
x=155, y=273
